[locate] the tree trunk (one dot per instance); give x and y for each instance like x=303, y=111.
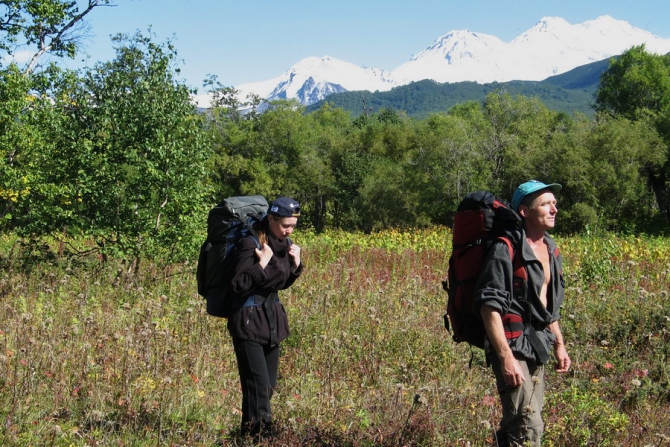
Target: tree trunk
x=658, y=184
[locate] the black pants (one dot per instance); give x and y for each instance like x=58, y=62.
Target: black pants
x=258, y=365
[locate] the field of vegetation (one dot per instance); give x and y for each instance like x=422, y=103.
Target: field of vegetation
x=91, y=355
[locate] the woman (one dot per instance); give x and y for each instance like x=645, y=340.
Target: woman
x=261, y=324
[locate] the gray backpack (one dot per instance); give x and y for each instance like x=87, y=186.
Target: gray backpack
x=228, y=222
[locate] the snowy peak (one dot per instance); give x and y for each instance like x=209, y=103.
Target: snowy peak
x=455, y=55
x=460, y=44
x=553, y=46
x=314, y=78
x=551, y=25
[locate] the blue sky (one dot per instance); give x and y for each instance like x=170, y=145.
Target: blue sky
x=244, y=41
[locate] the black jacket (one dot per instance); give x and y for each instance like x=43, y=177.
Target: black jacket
x=263, y=323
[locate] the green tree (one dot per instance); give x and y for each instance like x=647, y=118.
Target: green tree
x=17, y=139
x=53, y=27
x=125, y=156
x=390, y=188
x=277, y=152
x=637, y=86
x=448, y=160
x=620, y=152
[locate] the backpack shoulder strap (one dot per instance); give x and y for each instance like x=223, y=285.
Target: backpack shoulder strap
x=519, y=269
x=252, y=232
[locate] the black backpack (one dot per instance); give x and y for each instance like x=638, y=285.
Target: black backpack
x=228, y=222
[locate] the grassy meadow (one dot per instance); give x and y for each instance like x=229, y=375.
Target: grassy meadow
x=93, y=356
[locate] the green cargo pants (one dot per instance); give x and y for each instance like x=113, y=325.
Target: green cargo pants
x=522, y=406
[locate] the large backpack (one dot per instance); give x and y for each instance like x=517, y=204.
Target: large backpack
x=229, y=221
x=480, y=220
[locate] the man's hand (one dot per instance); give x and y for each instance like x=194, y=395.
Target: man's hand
x=511, y=370
x=563, y=361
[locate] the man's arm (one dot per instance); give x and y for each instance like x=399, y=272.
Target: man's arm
x=563, y=361
x=511, y=369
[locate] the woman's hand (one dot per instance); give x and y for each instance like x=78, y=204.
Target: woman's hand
x=294, y=253
x=264, y=255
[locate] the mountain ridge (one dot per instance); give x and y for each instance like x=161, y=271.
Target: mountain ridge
x=570, y=92
x=551, y=47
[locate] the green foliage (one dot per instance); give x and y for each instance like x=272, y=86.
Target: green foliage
x=637, y=87
x=45, y=26
x=17, y=140
x=591, y=420
x=120, y=156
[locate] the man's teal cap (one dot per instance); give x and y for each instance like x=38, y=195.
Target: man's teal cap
x=530, y=187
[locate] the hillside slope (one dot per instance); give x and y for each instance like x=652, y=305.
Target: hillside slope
x=569, y=92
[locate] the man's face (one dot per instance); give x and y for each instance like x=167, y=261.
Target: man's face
x=542, y=211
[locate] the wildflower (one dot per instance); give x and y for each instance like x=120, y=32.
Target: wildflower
x=636, y=382
x=535, y=380
x=608, y=365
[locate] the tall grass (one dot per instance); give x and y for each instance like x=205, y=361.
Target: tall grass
x=90, y=355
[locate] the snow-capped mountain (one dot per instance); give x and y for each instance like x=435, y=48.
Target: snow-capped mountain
x=458, y=56
x=553, y=46
x=314, y=78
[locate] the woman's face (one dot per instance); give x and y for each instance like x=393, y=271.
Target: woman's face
x=282, y=227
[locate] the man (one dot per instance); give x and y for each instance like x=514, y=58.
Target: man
x=518, y=348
